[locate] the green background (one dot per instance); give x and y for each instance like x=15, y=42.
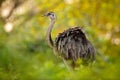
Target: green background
x=25, y=54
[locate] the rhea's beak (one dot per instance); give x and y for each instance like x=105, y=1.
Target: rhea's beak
x=44, y=15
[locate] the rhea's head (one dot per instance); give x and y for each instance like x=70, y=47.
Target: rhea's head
x=50, y=15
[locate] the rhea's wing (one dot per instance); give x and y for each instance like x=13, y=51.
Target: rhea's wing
x=72, y=44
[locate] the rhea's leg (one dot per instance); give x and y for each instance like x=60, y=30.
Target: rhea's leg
x=67, y=65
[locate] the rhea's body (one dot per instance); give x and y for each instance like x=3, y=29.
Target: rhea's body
x=71, y=44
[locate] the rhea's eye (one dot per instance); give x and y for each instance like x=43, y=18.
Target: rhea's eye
x=52, y=14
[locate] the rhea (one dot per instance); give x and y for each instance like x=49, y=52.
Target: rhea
x=70, y=45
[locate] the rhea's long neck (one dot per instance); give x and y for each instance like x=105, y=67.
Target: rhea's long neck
x=49, y=30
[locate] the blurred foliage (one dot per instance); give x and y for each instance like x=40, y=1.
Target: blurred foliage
x=25, y=55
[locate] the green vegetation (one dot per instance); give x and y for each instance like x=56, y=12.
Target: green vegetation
x=25, y=55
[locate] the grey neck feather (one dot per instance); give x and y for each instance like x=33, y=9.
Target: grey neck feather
x=48, y=37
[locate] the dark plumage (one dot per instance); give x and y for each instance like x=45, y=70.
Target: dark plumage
x=72, y=44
